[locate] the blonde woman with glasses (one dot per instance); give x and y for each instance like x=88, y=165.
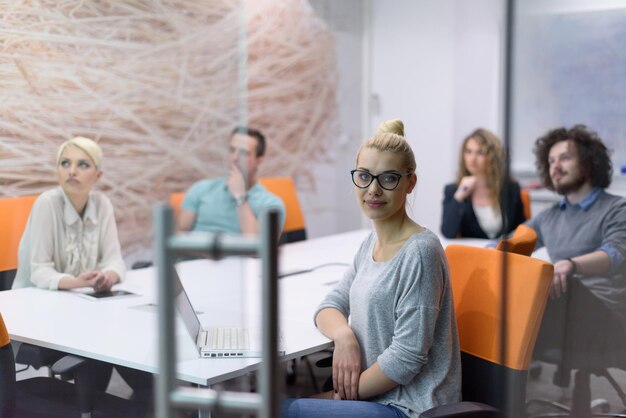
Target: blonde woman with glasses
x=391, y=317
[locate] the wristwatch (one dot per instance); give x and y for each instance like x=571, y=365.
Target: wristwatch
x=241, y=199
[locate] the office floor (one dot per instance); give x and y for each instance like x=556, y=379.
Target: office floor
x=539, y=388
x=543, y=388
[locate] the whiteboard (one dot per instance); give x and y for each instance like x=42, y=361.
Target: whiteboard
x=569, y=68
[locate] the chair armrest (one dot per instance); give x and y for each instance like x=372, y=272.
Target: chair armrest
x=141, y=264
x=36, y=356
x=462, y=410
x=67, y=364
x=325, y=361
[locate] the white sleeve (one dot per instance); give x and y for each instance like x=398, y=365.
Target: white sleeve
x=43, y=235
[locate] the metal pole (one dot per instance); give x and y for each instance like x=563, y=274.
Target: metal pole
x=508, y=106
x=164, y=262
x=270, y=371
x=165, y=246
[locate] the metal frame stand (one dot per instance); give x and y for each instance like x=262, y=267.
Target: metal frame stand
x=215, y=246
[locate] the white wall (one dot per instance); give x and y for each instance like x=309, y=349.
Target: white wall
x=332, y=208
x=436, y=66
x=478, y=50
x=566, y=50
x=412, y=62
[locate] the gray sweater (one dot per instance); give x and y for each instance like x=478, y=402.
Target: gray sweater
x=402, y=314
x=598, y=223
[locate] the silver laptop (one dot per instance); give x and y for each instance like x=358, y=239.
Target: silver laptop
x=216, y=341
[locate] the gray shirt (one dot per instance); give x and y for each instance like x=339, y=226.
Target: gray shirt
x=598, y=222
x=402, y=314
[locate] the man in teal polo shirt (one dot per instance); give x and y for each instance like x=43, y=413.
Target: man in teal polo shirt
x=232, y=203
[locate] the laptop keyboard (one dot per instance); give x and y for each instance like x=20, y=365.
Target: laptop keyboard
x=226, y=338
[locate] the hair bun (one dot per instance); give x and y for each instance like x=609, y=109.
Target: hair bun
x=392, y=126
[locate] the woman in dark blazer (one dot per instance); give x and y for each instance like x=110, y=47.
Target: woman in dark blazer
x=472, y=205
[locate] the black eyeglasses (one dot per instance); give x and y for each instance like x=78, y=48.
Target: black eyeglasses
x=388, y=181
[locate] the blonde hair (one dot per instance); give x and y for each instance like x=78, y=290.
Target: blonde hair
x=390, y=137
x=494, y=155
x=88, y=146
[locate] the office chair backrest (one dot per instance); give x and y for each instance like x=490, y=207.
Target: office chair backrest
x=7, y=374
x=176, y=202
x=14, y=212
x=521, y=242
x=4, y=334
x=285, y=189
x=489, y=375
x=525, y=196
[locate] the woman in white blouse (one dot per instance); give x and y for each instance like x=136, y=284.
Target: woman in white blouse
x=71, y=239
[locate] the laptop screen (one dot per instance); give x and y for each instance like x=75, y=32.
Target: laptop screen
x=183, y=304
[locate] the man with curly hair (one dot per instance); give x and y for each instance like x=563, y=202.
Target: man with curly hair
x=585, y=235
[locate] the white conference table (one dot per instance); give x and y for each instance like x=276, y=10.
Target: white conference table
x=123, y=331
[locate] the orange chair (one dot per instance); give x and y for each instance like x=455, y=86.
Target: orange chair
x=14, y=212
x=284, y=187
x=521, y=242
x=176, y=202
x=525, y=196
x=7, y=374
x=494, y=381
